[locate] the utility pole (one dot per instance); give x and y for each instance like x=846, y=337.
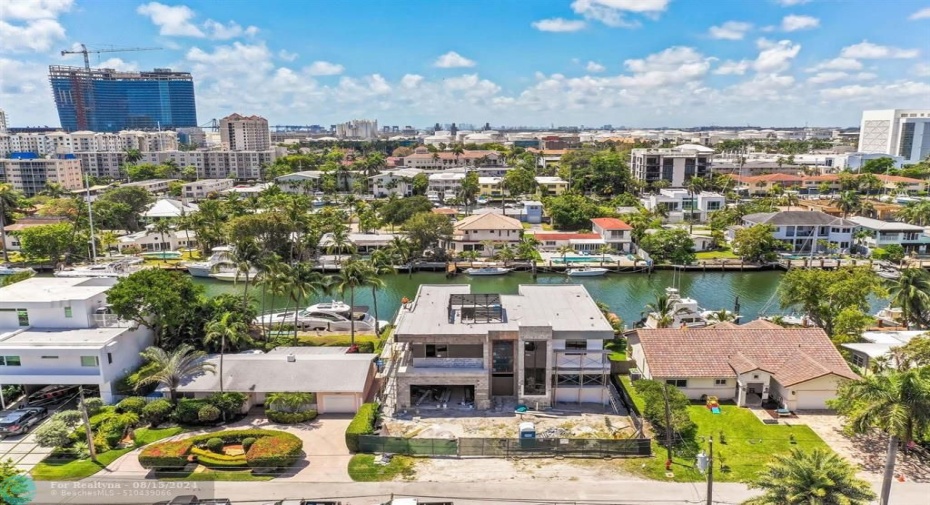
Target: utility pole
x=668, y=428
x=710, y=471
x=87, y=428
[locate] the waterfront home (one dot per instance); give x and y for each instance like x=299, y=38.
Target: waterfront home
x=492, y=186
x=541, y=346
x=362, y=243
x=56, y=330
x=680, y=204
x=474, y=232
x=878, y=345
x=799, y=368
x=615, y=233
x=911, y=237
x=805, y=231
x=393, y=182
x=11, y=242
x=341, y=381
x=167, y=208
x=445, y=184
x=580, y=242
x=149, y=240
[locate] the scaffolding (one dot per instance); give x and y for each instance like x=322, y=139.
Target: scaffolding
x=578, y=369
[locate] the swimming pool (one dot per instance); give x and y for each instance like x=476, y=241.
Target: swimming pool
x=581, y=259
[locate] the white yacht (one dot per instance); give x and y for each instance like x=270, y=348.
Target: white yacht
x=232, y=275
x=892, y=316
x=330, y=316
x=118, y=268
x=485, y=271
x=218, y=255
x=685, y=312
x=586, y=272
x=10, y=270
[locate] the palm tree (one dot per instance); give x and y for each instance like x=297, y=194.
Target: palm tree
x=506, y=254
x=107, y=240
x=54, y=190
x=304, y=283
x=380, y=264
x=818, y=477
x=604, y=250
x=911, y=292
x=289, y=402
x=244, y=256
x=894, y=401
x=174, y=367
x=161, y=227
x=339, y=242
x=848, y=202
x=721, y=316
x=353, y=275
x=9, y=201
x=664, y=310
x=565, y=250
x=695, y=186
x=527, y=249
x=226, y=329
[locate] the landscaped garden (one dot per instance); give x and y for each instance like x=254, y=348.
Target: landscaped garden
x=249, y=454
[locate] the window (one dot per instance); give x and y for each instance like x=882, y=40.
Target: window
x=858, y=360
x=720, y=382
x=49, y=357
x=576, y=345
x=89, y=361
x=23, y=316
x=68, y=312
x=436, y=351
x=678, y=383
x=109, y=358
x=10, y=361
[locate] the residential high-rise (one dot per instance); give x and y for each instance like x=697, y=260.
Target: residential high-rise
x=245, y=133
x=107, y=100
x=360, y=129
x=30, y=174
x=675, y=165
x=898, y=132
x=2, y=121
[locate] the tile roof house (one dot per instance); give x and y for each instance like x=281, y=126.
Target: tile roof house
x=615, y=233
x=798, y=367
x=474, y=232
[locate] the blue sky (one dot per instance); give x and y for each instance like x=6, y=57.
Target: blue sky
x=643, y=63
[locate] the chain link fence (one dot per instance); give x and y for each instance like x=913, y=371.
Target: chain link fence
x=508, y=447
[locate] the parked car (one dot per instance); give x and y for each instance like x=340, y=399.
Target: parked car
x=51, y=394
x=189, y=499
x=20, y=421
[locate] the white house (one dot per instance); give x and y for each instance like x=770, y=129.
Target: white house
x=394, y=182
x=167, y=208
x=804, y=230
x=473, y=232
x=798, y=367
x=199, y=190
x=879, y=345
x=446, y=184
x=617, y=234
x=56, y=330
x=882, y=233
x=681, y=204
x=149, y=240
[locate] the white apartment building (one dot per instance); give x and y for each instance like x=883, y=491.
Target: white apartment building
x=3, y=125
x=911, y=237
x=217, y=164
x=805, y=231
x=32, y=175
x=899, y=132
x=446, y=184
x=361, y=129
x=57, y=331
x=682, y=205
x=199, y=190
x=48, y=143
x=153, y=186
x=394, y=182
x=675, y=165
x=245, y=133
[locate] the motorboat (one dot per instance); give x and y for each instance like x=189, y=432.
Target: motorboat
x=10, y=270
x=329, y=316
x=685, y=312
x=887, y=272
x=233, y=275
x=218, y=255
x=485, y=271
x=119, y=268
x=586, y=272
x=892, y=316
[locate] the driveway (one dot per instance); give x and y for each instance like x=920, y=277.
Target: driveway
x=22, y=449
x=327, y=458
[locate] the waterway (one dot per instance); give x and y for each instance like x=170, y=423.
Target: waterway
x=625, y=294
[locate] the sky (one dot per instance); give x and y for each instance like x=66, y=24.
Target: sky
x=635, y=63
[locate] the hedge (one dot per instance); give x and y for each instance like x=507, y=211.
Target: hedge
x=271, y=449
x=212, y=459
x=279, y=451
x=362, y=424
x=290, y=417
x=166, y=454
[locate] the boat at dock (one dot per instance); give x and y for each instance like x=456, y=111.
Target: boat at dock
x=10, y=270
x=685, y=312
x=487, y=271
x=233, y=275
x=218, y=255
x=329, y=316
x=586, y=272
x=118, y=268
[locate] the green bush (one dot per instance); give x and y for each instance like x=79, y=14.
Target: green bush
x=93, y=405
x=228, y=403
x=166, y=454
x=129, y=385
x=247, y=443
x=279, y=451
x=188, y=409
x=132, y=404
x=215, y=444
x=212, y=459
x=156, y=412
x=366, y=347
x=290, y=417
x=362, y=424
x=101, y=443
x=270, y=449
x=208, y=414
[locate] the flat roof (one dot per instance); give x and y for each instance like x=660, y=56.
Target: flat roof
x=81, y=337
x=53, y=289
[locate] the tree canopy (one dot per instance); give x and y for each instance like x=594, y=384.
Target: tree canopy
x=119, y=208
x=823, y=294
x=756, y=243
x=571, y=211
x=671, y=245
x=426, y=229
x=157, y=299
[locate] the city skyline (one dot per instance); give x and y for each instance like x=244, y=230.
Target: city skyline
x=643, y=63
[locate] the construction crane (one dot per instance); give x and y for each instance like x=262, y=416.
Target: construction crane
x=86, y=52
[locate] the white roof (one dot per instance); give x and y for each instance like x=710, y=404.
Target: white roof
x=60, y=338
x=167, y=208
x=894, y=338
x=550, y=180
x=875, y=224
x=869, y=349
x=695, y=147
x=54, y=289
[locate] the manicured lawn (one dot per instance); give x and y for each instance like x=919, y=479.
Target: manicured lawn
x=638, y=402
x=217, y=475
x=82, y=468
x=725, y=254
x=748, y=446
x=362, y=468
x=617, y=350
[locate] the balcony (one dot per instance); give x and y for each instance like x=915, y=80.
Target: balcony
x=111, y=321
x=581, y=360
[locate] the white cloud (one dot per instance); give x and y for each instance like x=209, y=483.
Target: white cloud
x=453, y=59
x=559, y=25
x=673, y=65
x=171, y=20
x=613, y=12
x=411, y=81
x=286, y=55
x=35, y=9
x=792, y=3
x=118, y=64
x=775, y=57
x=867, y=50
x=921, y=14
x=35, y=35
x=921, y=69
x=837, y=64
x=594, y=67
x=324, y=68
x=231, y=30
x=884, y=93
x=731, y=30
x=733, y=67
x=793, y=23
x=823, y=77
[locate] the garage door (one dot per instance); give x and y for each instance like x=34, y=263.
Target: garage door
x=813, y=400
x=337, y=404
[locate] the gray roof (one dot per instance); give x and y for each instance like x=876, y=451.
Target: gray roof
x=797, y=218
x=567, y=309
x=875, y=224
x=60, y=338
x=54, y=289
x=273, y=373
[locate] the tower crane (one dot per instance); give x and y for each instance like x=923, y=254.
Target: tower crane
x=86, y=52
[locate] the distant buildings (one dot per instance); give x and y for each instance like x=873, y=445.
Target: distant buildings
x=357, y=129
x=899, y=132
x=245, y=133
x=30, y=174
x=107, y=100
x=199, y=190
x=2, y=121
x=58, y=142
x=675, y=165
x=422, y=158
x=216, y=164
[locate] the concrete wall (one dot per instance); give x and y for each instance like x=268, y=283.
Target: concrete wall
x=52, y=314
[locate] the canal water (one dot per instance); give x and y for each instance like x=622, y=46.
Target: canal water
x=626, y=294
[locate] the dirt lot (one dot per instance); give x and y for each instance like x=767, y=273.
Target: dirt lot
x=500, y=470
x=473, y=424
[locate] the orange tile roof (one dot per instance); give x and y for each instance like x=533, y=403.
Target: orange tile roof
x=611, y=223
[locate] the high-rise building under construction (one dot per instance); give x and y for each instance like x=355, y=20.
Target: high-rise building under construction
x=107, y=100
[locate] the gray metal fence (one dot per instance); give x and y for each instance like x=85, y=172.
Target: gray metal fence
x=507, y=447
x=409, y=446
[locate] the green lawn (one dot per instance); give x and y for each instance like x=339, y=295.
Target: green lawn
x=617, y=349
x=362, y=468
x=748, y=446
x=638, y=402
x=724, y=254
x=217, y=475
x=82, y=468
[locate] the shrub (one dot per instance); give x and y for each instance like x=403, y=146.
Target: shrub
x=366, y=347
x=54, y=433
x=247, y=443
x=228, y=403
x=215, y=445
x=166, y=454
x=156, y=411
x=280, y=450
x=71, y=418
x=80, y=450
x=129, y=384
x=93, y=405
x=133, y=404
x=212, y=459
x=208, y=413
x=362, y=424
x=187, y=410
x=290, y=417
x=101, y=443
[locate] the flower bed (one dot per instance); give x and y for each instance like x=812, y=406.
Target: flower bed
x=290, y=417
x=271, y=450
